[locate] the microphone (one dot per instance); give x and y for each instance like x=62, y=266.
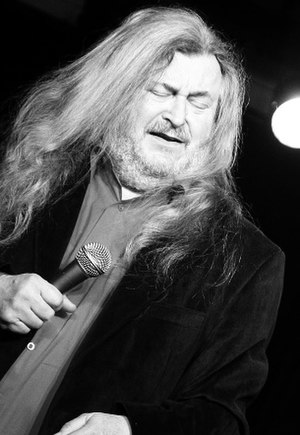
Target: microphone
x=91, y=260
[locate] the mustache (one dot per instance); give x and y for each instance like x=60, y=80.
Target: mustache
x=164, y=127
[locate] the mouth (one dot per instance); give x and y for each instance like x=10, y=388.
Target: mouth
x=166, y=137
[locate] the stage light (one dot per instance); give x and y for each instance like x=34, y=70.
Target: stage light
x=286, y=116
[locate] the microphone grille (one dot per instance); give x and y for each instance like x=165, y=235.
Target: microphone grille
x=94, y=259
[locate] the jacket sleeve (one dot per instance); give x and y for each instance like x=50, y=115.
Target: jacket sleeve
x=229, y=368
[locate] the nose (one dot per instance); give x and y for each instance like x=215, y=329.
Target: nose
x=176, y=112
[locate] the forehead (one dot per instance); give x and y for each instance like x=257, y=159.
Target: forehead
x=193, y=74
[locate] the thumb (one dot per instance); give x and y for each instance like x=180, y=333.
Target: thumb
x=73, y=425
x=67, y=305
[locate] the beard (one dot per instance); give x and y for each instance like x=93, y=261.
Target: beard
x=142, y=172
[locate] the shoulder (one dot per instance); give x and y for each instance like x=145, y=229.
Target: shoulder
x=258, y=269
x=257, y=248
x=259, y=277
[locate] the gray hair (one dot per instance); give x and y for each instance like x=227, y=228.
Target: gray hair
x=75, y=111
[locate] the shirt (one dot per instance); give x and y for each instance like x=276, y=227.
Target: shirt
x=27, y=388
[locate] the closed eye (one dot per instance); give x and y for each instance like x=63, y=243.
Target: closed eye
x=160, y=93
x=199, y=104
x=162, y=90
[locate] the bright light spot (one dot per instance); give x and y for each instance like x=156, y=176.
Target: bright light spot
x=286, y=123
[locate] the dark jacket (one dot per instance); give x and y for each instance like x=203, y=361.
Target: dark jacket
x=184, y=363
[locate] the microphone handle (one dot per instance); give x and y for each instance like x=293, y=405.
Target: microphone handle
x=69, y=277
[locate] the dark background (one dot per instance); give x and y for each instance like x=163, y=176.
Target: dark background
x=40, y=35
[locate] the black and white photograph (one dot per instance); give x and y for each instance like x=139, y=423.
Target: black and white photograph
x=149, y=217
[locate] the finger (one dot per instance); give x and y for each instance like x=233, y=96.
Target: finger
x=84, y=430
x=73, y=425
x=67, y=305
x=32, y=320
x=25, y=316
x=92, y=426
x=42, y=309
x=53, y=297
x=18, y=327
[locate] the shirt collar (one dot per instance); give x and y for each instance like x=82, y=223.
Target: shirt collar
x=107, y=175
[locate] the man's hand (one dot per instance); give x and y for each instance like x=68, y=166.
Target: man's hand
x=97, y=423
x=27, y=301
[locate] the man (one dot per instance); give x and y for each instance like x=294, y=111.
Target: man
x=131, y=146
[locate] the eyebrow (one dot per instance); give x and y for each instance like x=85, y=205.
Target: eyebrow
x=174, y=90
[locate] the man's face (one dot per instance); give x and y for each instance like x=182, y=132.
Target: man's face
x=173, y=119
x=176, y=114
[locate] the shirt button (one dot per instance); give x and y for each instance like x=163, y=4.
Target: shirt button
x=30, y=346
x=121, y=207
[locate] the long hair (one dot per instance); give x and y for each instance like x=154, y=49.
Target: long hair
x=74, y=112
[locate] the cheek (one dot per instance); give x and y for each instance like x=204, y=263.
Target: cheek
x=142, y=120
x=201, y=128
x=147, y=111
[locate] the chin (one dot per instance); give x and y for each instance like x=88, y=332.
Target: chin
x=164, y=150
x=162, y=159
x=159, y=168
